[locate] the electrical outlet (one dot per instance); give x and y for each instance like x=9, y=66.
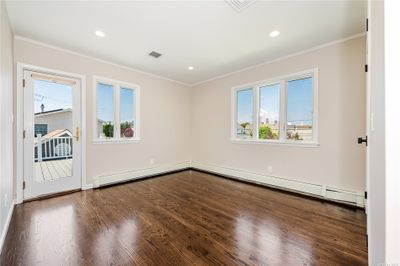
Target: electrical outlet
x=269, y=169
x=151, y=161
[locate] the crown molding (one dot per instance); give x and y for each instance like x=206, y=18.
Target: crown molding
x=282, y=58
x=18, y=37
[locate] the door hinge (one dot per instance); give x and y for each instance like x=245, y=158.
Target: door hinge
x=366, y=68
x=366, y=25
x=23, y=185
x=24, y=134
x=23, y=83
x=365, y=194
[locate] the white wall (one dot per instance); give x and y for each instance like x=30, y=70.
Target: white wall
x=165, y=112
x=6, y=132
x=338, y=162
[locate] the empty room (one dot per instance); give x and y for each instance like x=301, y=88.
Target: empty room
x=226, y=132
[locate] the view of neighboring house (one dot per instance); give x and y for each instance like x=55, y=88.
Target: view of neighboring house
x=55, y=145
x=100, y=124
x=53, y=130
x=58, y=119
x=48, y=121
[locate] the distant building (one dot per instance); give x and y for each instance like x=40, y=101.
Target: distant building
x=59, y=119
x=48, y=121
x=55, y=127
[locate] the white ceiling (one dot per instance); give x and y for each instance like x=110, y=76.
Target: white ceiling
x=209, y=35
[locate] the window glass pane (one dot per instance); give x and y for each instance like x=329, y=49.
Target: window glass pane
x=300, y=110
x=40, y=129
x=127, y=113
x=53, y=152
x=244, y=114
x=105, y=111
x=269, y=112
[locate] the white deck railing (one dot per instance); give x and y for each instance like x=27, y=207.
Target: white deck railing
x=53, y=148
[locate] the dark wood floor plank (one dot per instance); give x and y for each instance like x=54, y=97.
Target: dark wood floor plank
x=186, y=218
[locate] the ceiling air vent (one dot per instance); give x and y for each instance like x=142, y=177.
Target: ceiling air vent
x=155, y=54
x=239, y=5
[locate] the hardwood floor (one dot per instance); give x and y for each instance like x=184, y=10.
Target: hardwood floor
x=186, y=218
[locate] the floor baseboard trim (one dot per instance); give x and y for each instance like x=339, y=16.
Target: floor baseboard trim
x=314, y=190
x=6, y=226
x=351, y=198
x=87, y=186
x=128, y=176
x=52, y=195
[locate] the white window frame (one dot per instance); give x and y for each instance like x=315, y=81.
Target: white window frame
x=117, y=86
x=283, y=81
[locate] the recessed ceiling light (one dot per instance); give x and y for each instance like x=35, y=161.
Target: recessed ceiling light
x=99, y=33
x=274, y=34
x=190, y=67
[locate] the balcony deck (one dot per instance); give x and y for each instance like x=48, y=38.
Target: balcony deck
x=52, y=170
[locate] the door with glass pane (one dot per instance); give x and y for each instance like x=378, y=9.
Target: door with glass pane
x=52, y=117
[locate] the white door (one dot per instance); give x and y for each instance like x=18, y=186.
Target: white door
x=52, y=121
x=376, y=172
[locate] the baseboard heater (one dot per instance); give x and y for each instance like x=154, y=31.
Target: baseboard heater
x=332, y=194
x=123, y=177
x=318, y=191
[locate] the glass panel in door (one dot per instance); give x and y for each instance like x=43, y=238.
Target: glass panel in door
x=53, y=131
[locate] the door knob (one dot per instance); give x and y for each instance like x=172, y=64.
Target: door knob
x=77, y=134
x=361, y=140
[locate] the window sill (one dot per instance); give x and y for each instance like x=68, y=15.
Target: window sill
x=115, y=141
x=277, y=143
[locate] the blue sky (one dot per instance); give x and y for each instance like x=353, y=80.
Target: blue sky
x=269, y=102
x=127, y=111
x=299, y=99
x=245, y=105
x=52, y=95
x=105, y=103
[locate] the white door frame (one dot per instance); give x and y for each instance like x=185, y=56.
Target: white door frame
x=20, y=124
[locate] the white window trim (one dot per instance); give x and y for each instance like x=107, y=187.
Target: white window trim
x=117, y=85
x=283, y=100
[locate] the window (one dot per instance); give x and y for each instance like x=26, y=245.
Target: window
x=299, y=121
x=283, y=110
x=269, y=112
x=127, y=111
x=41, y=129
x=244, y=114
x=105, y=110
x=117, y=109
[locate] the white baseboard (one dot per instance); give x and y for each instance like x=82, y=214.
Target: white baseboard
x=6, y=226
x=87, y=186
x=354, y=198
x=139, y=173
